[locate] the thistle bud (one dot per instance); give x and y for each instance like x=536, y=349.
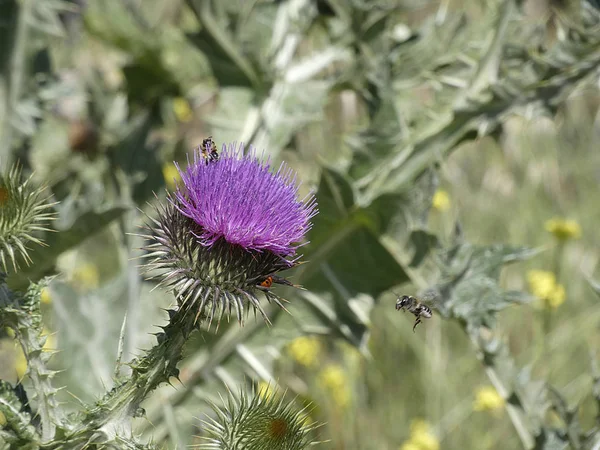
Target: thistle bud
x=258, y=421
x=24, y=211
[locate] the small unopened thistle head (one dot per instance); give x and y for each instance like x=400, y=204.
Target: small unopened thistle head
x=230, y=227
x=258, y=422
x=24, y=211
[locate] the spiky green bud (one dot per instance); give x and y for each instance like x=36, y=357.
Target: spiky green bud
x=24, y=211
x=261, y=421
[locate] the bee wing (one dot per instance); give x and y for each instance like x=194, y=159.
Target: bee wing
x=430, y=297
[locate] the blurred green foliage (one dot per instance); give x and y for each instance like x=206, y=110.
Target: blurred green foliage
x=439, y=137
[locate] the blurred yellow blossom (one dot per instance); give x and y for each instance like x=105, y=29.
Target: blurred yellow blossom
x=441, y=200
x=86, y=276
x=2, y=419
x=541, y=282
x=50, y=344
x=265, y=390
x=421, y=437
x=305, y=350
x=563, y=229
x=182, y=110
x=333, y=379
x=556, y=297
x=543, y=285
x=487, y=399
x=308, y=420
x=45, y=296
x=20, y=362
x=409, y=445
x=171, y=175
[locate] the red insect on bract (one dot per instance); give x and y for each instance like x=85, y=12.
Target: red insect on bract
x=267, y=282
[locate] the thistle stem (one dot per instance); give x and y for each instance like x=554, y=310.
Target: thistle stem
x=513, y=412
x=12, y=76
x=113, y=414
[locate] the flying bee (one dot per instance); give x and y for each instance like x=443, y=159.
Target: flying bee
x=414, y=306
x=208, y=150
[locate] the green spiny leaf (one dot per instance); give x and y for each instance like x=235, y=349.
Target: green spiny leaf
x=18, y=430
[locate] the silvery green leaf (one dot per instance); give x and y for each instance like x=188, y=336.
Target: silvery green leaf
x=45, y=257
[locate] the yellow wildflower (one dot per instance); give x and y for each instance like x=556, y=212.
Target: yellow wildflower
x=305, y=350
x=543, y=285
x=419, y=426
x=487, y=399
x=541, y=282
x=50, y=344
x=409, y=445
x=556, y=297
x=182, y=110
x=2, y=419
x=441, y=200
x=308, y=421
x=421, y=437
x=45, y=296
x=86, y=276
x=171, y=175
x=20, y=362
x=265, y=390
x=341, y=396
x=333, y=377
x=563, y=229
x=334, y=380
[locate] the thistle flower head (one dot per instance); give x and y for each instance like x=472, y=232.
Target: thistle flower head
x=23, y=213
x=259, y=422
x=226, y=232
x=241, y=201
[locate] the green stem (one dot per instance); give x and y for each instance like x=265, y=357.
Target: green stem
x=558, y=256
x=12, y=78
x=116, y=410
x=40, y=379
x=514, y=413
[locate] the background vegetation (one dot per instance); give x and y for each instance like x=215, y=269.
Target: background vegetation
x=441, y=137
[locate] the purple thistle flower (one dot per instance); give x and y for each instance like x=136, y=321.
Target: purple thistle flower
x=242, y=201
x=231, y=226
